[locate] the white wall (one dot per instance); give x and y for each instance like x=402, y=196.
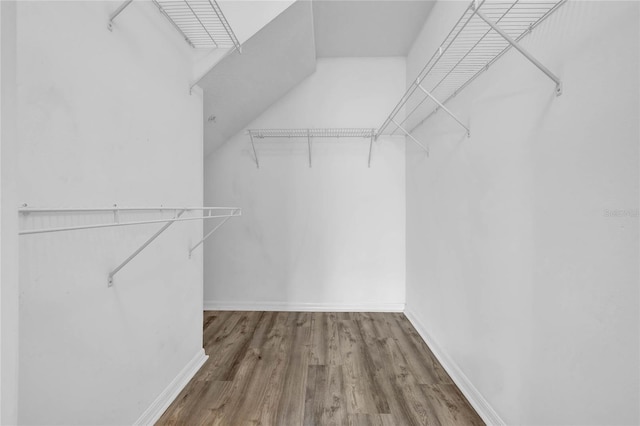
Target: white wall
x=8, y=219
x=513, y=266
x=103, y=118
x=247, y=17
x=327, y=237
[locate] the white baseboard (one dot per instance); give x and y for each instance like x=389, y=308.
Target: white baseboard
x=473, y=395
x=210, y=305
x=162, y=402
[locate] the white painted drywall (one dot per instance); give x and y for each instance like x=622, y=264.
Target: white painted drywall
x=247, y=17
x=514, y=265
x=103, y=118
x=8, y=219
x=242, y=86
x=328, y=237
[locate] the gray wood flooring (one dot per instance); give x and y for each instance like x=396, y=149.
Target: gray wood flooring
x=309, y=368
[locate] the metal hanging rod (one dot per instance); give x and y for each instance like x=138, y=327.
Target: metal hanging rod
x=314, y=133
x=232, y=211
x=26, y=209
x=200, y=22
x=486, y=31
x=307, y=134
x=207, y=213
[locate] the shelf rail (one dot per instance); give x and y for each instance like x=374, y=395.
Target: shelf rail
x=308, y=134
x=484, y=33
x=207, y=213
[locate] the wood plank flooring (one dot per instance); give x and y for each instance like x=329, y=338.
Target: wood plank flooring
x=312, y=368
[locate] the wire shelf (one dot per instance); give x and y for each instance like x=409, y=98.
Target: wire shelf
x=314, y=133
x=201, y=22
x=469, y=49
x=308, y=134
x=116, y=220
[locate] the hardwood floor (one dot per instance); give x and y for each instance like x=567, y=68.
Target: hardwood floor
x=310, y=368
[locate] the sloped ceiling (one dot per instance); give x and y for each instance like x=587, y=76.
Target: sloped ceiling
x=242, y=86
x=357, y=28
x=283, y=53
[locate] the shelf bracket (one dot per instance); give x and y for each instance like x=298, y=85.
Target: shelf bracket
x=370, y=149
x=142, y=247
x=117, y=12
x=444, y=108
x=255, y=154
x=210, y=233
x=515, y=44
x=410, y=136
x=309, y=143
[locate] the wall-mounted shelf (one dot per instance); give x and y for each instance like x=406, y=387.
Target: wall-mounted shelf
x=308, y=134
x=485, y=32
x=200, y=22
x=177, y=212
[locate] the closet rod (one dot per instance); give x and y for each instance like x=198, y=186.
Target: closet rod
x=207, y=213
x=114, y=224
x=233, y=211
x=26, y=209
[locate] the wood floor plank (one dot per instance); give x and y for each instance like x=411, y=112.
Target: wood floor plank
x=294, y=368
x=335, y=411
x=318, y=339
x=450, y=405
x=269, y=365
x=292, y=402
x=317, y=378
x=421, y=362
x=360, y=419
x=332, y=342
x=230, y=346
x=360, y=387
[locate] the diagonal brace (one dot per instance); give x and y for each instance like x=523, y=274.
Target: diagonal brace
x=211, y=232
x=142, y=247
x=444, y=108
x=309, y=143
x=253, y=145
x=410, y=136
x=370, y=149
x=117, y=12
x=526, y=54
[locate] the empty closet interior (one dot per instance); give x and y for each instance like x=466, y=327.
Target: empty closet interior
x=465, y=170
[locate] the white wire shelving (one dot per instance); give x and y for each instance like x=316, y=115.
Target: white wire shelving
x=308, y=134
x=200, y=22
x=176, y=213
x=483, y=34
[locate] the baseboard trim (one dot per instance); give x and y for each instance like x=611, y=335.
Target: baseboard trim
x=473, y=395
x=210, y=305
x=162, y=402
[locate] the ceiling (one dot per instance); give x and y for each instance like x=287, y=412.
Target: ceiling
x=283, y=53
x=357, y=28
x=273, y=61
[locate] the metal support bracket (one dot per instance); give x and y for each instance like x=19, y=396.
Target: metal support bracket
x=370, y=149
x=444, y=108
x=210, y=233
x=515, y=44
x=142, y=247
x=255, y=154
x=410, y=136
x=309, y=143
x=117, y=12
